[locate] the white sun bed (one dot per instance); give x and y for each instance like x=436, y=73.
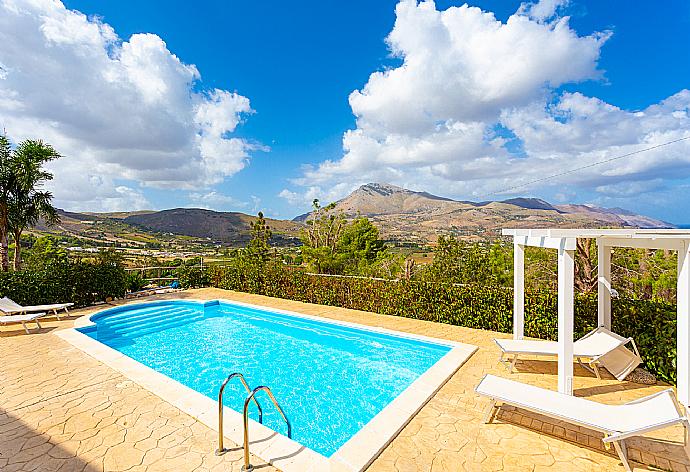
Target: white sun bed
x=23, y=319
x=617, y=422
x=601, y=347
x=9, y=306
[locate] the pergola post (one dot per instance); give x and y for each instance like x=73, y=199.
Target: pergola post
x=564, y=240
x=604, y=284
x=683, y=323
x=518, y=291
x=566, y=300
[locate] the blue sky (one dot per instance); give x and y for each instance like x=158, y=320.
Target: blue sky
x=297, y=64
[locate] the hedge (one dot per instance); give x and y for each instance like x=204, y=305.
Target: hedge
x=652, y=325
x=81, y=283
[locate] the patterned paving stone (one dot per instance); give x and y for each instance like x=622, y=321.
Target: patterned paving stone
x=61, y=410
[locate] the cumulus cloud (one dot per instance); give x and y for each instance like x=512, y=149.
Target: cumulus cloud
x=214, y=200
x=543, y=9
x=632, y=188
x=476, y=107
x=116, y=109
x=462, y=65
x=306, y=196
x=293, y=198
x=577, y=131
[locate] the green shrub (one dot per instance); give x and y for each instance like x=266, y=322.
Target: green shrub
x=652, y=325
x=135, y=282
x=82, y=283
x=191, y=277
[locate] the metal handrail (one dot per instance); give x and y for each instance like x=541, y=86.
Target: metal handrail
x=221, y=450
x=247, y=467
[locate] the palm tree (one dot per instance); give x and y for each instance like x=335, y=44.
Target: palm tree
x=27, y=201
x=6, y=184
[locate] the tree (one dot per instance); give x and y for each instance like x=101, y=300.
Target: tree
x=645, y=274
x=6, y=183
x=259, y=246
x=358, y=246
x=44, y=252
x=459, y=262
x=109, y=256
x=586, y=266
x=324, y=228
x=332, y=245
x=462, y=262
x=27, y=202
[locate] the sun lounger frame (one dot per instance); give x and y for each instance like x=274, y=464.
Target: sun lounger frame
x=592, y=363
x=23, y=319
x=615, y=438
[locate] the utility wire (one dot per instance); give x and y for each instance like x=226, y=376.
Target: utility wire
x=572, y=171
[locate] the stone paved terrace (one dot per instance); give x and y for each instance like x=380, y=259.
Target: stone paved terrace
x=61, y=410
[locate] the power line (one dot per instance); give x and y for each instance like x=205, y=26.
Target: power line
x=572, y=171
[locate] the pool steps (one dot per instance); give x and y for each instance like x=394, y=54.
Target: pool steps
x=152, y=326
x=129, y=326
x=127, y=316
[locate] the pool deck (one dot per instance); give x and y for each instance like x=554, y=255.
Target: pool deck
x=62, y=410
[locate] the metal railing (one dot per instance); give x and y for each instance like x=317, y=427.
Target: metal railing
x=221, y=450
x=248, y=467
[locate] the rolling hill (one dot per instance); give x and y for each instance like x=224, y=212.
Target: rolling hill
x=406, y=215
x=227, y=227
x=400, y=214
x=182, y=228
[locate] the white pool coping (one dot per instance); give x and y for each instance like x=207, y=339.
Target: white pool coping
x=275, y=448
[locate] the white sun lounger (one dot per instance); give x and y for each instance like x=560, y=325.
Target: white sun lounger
x=617, y=422
x=601, y=347
x=23, y=319
x=9, y=306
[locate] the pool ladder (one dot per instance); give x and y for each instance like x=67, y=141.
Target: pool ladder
x=247, y=467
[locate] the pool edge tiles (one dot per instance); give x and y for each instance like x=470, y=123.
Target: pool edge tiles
x=272, y=447
x=288, y=455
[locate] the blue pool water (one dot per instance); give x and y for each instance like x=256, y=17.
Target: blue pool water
x=330, y=379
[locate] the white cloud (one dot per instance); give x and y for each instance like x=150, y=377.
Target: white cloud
x=292, y=198
x=577, y=131
x=304, y=198
x=214, y=200
x=474, y=108
x=255, y=204
x=632, y=188
x=543, y=9
x=104, y=194
x=117, y=109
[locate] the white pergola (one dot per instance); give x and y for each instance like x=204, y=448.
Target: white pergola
x=564, y=241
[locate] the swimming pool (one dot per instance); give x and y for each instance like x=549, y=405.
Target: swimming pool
x=330, y=378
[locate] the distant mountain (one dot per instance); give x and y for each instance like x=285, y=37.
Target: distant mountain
x=119, y=215
x=401, y=215
x=228, y=227
x=405, y=215
x=616, y=216
x=384, y=199
x=530, y=203
x=179, y=227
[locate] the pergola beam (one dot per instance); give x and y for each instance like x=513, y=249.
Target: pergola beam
x=672, y=244
x=546, y=242
x=596, y=233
